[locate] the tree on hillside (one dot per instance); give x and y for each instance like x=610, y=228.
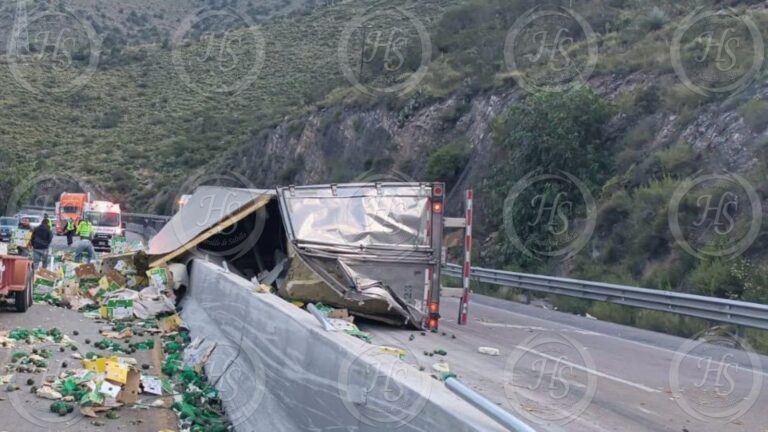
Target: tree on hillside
x=557, y=156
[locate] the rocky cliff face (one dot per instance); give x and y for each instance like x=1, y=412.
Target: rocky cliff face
x=336, y=144
x=344, y=144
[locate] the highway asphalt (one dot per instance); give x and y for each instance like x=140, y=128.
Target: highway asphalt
x=561, y=372
x=22, y=411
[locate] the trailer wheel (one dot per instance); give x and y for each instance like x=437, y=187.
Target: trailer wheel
x=23, y=299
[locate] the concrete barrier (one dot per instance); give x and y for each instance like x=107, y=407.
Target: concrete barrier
x=278, y=370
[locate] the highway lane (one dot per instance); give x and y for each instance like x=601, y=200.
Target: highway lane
x=60, y=242
x=561, y=372
x=22, y=411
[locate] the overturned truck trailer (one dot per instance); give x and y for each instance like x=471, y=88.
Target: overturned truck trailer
x=373, y=248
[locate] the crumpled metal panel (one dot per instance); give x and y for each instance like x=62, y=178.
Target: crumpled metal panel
x=359, y=214
x=208, y=206
x=369, y=242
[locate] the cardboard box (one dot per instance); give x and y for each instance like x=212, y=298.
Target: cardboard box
x=117, y=372
x=106, y=285
x=115, y=278
x=44, y=282
x=87, y=271
x=152, y=385
x=117, y=309
x=99, y=364
x=130, y=393
x=118, y=245
x=160, y=278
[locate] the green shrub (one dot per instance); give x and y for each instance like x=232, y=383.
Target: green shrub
x=653, y=20
x=714, y=278
x=613, y=313
x=755, y=114
x=679, y=98
x=642, y=133
x=447, y=162
x=571, y=305
x=677, y=160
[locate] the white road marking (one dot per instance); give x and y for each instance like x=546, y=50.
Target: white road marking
x=592, y=371
x=522, y=327
x=667, y=350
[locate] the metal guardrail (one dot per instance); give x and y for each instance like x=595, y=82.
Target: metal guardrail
x=152, y=217
x=711, y=308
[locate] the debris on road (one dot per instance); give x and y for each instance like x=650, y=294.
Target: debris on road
x=137, y=306
x=489, y=351
x=342, y=320
x=441, y=367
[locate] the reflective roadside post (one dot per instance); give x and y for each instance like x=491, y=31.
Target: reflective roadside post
x=467, y=270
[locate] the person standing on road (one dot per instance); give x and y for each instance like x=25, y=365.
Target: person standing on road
x=85, y=229
x=69, y=230
x=84, y=250
x=40, y=242
x=49, y=223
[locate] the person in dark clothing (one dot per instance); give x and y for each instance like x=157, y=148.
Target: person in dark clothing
x=41, y=240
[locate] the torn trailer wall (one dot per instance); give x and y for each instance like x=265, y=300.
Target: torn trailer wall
x=364, y=247
x=278, y=370
x=373, y=243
